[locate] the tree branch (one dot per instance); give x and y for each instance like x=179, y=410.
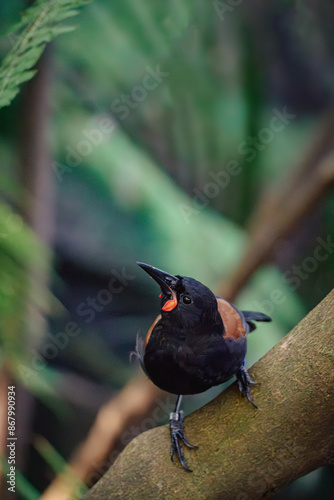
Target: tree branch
x=245, y=453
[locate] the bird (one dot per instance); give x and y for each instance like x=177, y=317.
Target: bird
x=198, y=341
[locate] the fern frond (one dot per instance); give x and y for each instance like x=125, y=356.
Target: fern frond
x=38, y=26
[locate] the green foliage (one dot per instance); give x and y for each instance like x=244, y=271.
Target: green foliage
x=21, y=253
x=38, y=26
x=19, y=249
x=197, y=118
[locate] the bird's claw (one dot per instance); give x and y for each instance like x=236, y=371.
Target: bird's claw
x=244, y=382
x=176, y=433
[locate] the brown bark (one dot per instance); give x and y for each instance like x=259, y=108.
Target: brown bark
x=245, y=453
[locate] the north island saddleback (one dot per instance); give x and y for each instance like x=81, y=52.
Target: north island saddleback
x=198, y=341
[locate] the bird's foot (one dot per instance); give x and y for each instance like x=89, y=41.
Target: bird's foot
x=244, y=382
x=176, y=419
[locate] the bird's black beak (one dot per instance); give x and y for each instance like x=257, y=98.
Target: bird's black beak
x=166, y=281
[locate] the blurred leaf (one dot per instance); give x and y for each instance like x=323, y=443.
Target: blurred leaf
x=20, y=251
x=39, y=25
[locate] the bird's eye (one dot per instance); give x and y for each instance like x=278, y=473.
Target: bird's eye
x=186, y=299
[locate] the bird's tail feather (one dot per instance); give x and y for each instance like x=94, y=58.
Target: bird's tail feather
x=255, y=316
x=251, y=316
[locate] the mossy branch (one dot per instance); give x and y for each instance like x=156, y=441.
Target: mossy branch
x=245, y=453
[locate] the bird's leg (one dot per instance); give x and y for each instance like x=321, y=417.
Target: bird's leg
x=176, y=419
x=244, y=382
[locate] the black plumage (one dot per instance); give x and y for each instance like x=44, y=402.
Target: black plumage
x=198, y=341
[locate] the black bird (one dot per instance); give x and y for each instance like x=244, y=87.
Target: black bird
x=198, y=341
